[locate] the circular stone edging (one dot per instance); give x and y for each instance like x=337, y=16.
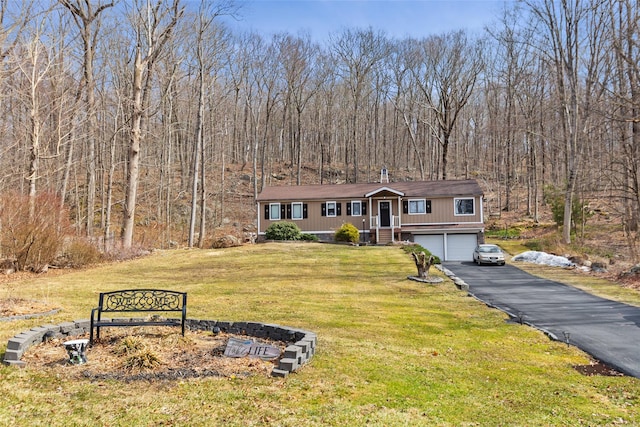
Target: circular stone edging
x=29, y=316
x=301, y=348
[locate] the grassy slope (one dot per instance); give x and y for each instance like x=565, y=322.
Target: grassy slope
x=391, y=351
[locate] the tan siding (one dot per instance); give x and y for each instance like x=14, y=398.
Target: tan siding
x=442, y=212
x=315, y=222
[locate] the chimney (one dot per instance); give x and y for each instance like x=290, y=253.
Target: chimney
x=384, y=175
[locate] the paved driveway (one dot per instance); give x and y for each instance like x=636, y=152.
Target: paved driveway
x=607, y=330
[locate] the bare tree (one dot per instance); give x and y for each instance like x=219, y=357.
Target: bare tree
x=206, y=57
x=153, y=26
x=298, y=58
x=86, y=16
x=447, y=71
x=357, y=53
x=34, y=59
x=571, y=33
x=624, y=18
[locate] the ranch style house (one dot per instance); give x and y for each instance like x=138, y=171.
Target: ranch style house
x=445, y=217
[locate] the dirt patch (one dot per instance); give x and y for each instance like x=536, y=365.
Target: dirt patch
x=597, y=368
x=151, y=354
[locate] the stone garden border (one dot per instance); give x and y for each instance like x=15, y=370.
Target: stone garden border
x=29, y=316
x=301, y=348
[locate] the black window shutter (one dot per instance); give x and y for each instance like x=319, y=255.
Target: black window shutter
x=363, y=207
x=323, y=209
x=304, y=210
x=428, y=206
x=405, y=206
x=283, y=211
x=338, y=209
x=348, y=208
x=289, y=211
x=266, y=211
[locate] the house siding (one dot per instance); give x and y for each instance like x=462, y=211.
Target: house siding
x=439, y=196
x=442, y=212
x=315, y=222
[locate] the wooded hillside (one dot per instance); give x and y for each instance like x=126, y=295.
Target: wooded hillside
x=135, y=113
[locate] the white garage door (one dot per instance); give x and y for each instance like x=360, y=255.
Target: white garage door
x=434, y=243
x=459, y=246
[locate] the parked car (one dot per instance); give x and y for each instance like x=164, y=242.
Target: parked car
x=488, y=254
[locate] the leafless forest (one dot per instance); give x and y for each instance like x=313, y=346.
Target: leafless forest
x=132, y=115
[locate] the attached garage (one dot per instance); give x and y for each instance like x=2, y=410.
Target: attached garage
x=433, y=242
x=448, y=246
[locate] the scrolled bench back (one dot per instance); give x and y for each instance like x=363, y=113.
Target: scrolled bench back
x=142, y=300
x=138, y=300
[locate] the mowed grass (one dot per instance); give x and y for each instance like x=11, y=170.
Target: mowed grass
x=391, y=352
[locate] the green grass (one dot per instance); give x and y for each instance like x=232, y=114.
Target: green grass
x=391, y=352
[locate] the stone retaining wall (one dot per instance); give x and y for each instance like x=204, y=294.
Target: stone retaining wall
x=301, y=348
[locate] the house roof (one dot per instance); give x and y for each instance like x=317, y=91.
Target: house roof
x=447, y=188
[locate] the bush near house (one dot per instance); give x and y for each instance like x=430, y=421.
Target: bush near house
x=283, y=230
x=415, y=248
x=347, y=233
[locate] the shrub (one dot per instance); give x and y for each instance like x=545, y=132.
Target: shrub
x=554, y=197
x=119, y=253
x=283, y=230
x=347, y=233
x=504, y=233
x=33, y=230
x=80, y=253
x=309, y=237
x=409, y=249
x=534, y=245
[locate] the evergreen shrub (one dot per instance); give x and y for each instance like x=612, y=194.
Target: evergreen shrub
x=283, y=230
x=347, y=233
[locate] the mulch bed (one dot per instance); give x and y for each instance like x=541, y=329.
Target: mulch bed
x=150, y=354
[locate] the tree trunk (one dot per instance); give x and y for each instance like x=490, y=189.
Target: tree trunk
x=134, y=153
x=423, y=263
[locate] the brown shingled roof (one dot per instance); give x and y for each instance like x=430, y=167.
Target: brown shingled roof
x=448, y=188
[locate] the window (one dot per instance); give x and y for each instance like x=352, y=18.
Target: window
x=331, y=208
x=417, y=206
x=464, y=206
x=356, y=208
x=274, y=211
x=296, y=211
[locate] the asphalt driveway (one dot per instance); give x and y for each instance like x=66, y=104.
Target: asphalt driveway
x=607, y=330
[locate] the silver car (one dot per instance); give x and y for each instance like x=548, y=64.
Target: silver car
x=488, y=254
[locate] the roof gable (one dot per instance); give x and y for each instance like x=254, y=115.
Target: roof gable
x=384, y=190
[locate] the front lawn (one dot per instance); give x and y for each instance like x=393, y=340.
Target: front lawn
x=391, y=351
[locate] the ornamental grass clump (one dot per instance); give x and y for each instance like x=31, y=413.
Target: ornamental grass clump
x=128, y=345
x=138, y=356
x=143, y=359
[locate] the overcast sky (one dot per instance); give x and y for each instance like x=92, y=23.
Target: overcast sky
x=398, y=18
